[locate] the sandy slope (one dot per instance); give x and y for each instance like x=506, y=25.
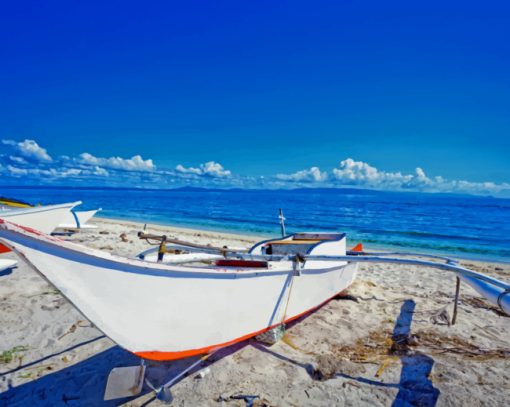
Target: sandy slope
x=339, y=355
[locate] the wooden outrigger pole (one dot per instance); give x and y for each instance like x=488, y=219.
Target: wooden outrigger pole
x=495, y=291
x=282, y=222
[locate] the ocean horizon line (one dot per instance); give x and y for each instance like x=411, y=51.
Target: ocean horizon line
x=190, y=188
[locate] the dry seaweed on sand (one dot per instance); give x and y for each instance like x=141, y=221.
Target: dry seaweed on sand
x=480, y=303
x=442, y=344
x=380, y=344
x=15, y=353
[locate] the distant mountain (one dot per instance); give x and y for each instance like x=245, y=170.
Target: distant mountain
x=340, y=190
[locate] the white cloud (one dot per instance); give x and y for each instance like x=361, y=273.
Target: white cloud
x=71, y=172
x=352, y=172
x=51, y=173
x=17, y=172
x=363, y=175
x=313, y=174
x=18, y=160
x=135, y=163
x=31, y=162
x=190, y=170
x=29, y=149
x=359, y=173
x=100, y=171
x=211, y=169
x=28, y=162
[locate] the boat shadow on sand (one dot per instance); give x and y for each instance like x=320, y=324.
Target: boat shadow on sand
x=7, y=272
x=414, y=387
x=84, y=383
x=78, y=385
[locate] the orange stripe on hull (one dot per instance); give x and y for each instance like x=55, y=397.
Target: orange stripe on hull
x=4, y=249
x=162, y=356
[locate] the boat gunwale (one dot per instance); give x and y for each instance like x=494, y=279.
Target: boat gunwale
x=35, y=209
x=56, y=247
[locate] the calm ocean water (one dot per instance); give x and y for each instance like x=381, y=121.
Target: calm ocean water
x=462, y=226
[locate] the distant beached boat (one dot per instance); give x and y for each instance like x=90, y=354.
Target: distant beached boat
x=45, y=219
x=78, y=220
x=72, y=220
x=166, y=312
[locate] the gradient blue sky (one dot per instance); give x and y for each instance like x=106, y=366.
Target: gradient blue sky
x=263, y=88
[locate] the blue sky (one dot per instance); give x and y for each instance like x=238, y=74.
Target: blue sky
x=273, y=94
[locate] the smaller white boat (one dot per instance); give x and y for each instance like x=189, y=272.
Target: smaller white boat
x=6, y=264
x=44, y=219
x=78, y=220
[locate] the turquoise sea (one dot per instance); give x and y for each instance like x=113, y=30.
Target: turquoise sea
x=459, y=226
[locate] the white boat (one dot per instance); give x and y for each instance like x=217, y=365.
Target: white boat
x=169, y=311
x=7, y=203
x=166, y=312
x=78, y=220
x=44, y=219
x=6, y=264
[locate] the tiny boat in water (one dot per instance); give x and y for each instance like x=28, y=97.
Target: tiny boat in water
x=165, y=312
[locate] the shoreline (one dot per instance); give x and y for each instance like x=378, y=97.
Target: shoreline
x=254, y=237
x=177, y=229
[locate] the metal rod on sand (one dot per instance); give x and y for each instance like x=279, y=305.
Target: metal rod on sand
x=282, y=222
x=163, y=390
x=456, y=303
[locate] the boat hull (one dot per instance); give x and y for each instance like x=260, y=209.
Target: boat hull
x=166, y=312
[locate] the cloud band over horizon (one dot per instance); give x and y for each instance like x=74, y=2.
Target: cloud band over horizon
x=27, y=163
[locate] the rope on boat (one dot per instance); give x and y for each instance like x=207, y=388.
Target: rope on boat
x=296, y=272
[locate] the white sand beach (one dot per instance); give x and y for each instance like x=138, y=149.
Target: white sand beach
x=341, y=354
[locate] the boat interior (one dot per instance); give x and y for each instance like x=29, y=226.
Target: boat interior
x=302, y=244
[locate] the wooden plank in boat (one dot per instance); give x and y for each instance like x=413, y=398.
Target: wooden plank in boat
x=316, y=236
x=300, y=241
